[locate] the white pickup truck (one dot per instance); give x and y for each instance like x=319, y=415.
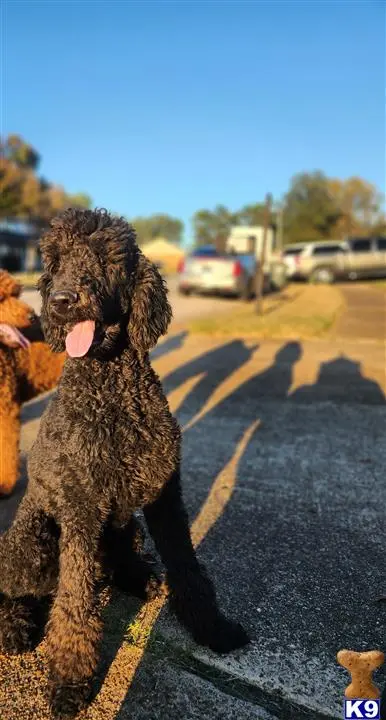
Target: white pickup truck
x=232, y=272
x=207, y=271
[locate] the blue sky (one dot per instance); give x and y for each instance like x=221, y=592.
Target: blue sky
x=175, y=106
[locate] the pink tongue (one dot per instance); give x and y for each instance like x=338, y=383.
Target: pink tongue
x=79, y=340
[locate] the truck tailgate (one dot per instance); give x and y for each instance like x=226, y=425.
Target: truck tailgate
x=210, y=272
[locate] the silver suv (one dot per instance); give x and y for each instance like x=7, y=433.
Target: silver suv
x=327, y=261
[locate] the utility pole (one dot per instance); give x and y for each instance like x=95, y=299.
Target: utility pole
x=263, y=253
x=280, y=213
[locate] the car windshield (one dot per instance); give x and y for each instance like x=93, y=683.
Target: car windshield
x=327, y=249
x=360, y=244
x=206, y=251
x=293, y=251
x=381, y=243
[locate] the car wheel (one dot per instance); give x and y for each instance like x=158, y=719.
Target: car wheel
x=322, y=275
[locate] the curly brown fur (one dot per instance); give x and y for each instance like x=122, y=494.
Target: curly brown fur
x=10, y=288
x=107, y=446
x=24, y=374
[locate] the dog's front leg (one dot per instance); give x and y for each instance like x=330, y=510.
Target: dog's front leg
x=74, y=627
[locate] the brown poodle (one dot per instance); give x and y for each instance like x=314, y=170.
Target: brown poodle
x=27, y=368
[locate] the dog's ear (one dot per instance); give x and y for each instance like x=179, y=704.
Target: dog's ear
x=9, y=287
x=150, y=311
x=52, y=334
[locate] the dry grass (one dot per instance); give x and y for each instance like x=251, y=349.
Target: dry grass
x=302, y=311
x=376, y=284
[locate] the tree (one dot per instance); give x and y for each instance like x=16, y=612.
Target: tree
x=310, y=210
x=158, y=225
x=213, y=226
x=360, y=205
x=11, y=189
x=80, y=200
x=379, y=227
x=251, y=215
x=23, y=194
x=16, y=150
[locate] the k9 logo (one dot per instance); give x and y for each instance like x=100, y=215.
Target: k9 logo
x=362, y=709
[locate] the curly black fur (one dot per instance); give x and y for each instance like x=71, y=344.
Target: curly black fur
x=107, y=446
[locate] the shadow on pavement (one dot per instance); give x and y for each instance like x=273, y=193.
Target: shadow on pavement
x=174, y=342
x=341, y=381
x=215, y=366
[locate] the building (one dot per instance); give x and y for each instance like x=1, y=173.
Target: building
x=163, y=253
x=18, y=247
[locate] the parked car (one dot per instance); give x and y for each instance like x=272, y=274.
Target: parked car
x=206, y=270
x=351, y=259
x=290, y=256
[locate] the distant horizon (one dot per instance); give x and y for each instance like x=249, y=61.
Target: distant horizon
x=174, y=107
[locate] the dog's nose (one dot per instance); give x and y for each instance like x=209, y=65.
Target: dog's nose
x=62, y=299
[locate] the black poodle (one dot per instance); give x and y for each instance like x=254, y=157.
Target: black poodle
x=107, y=446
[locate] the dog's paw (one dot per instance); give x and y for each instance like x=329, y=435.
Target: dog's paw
x=142, y=580
x=224, y=636
x=66, y=701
